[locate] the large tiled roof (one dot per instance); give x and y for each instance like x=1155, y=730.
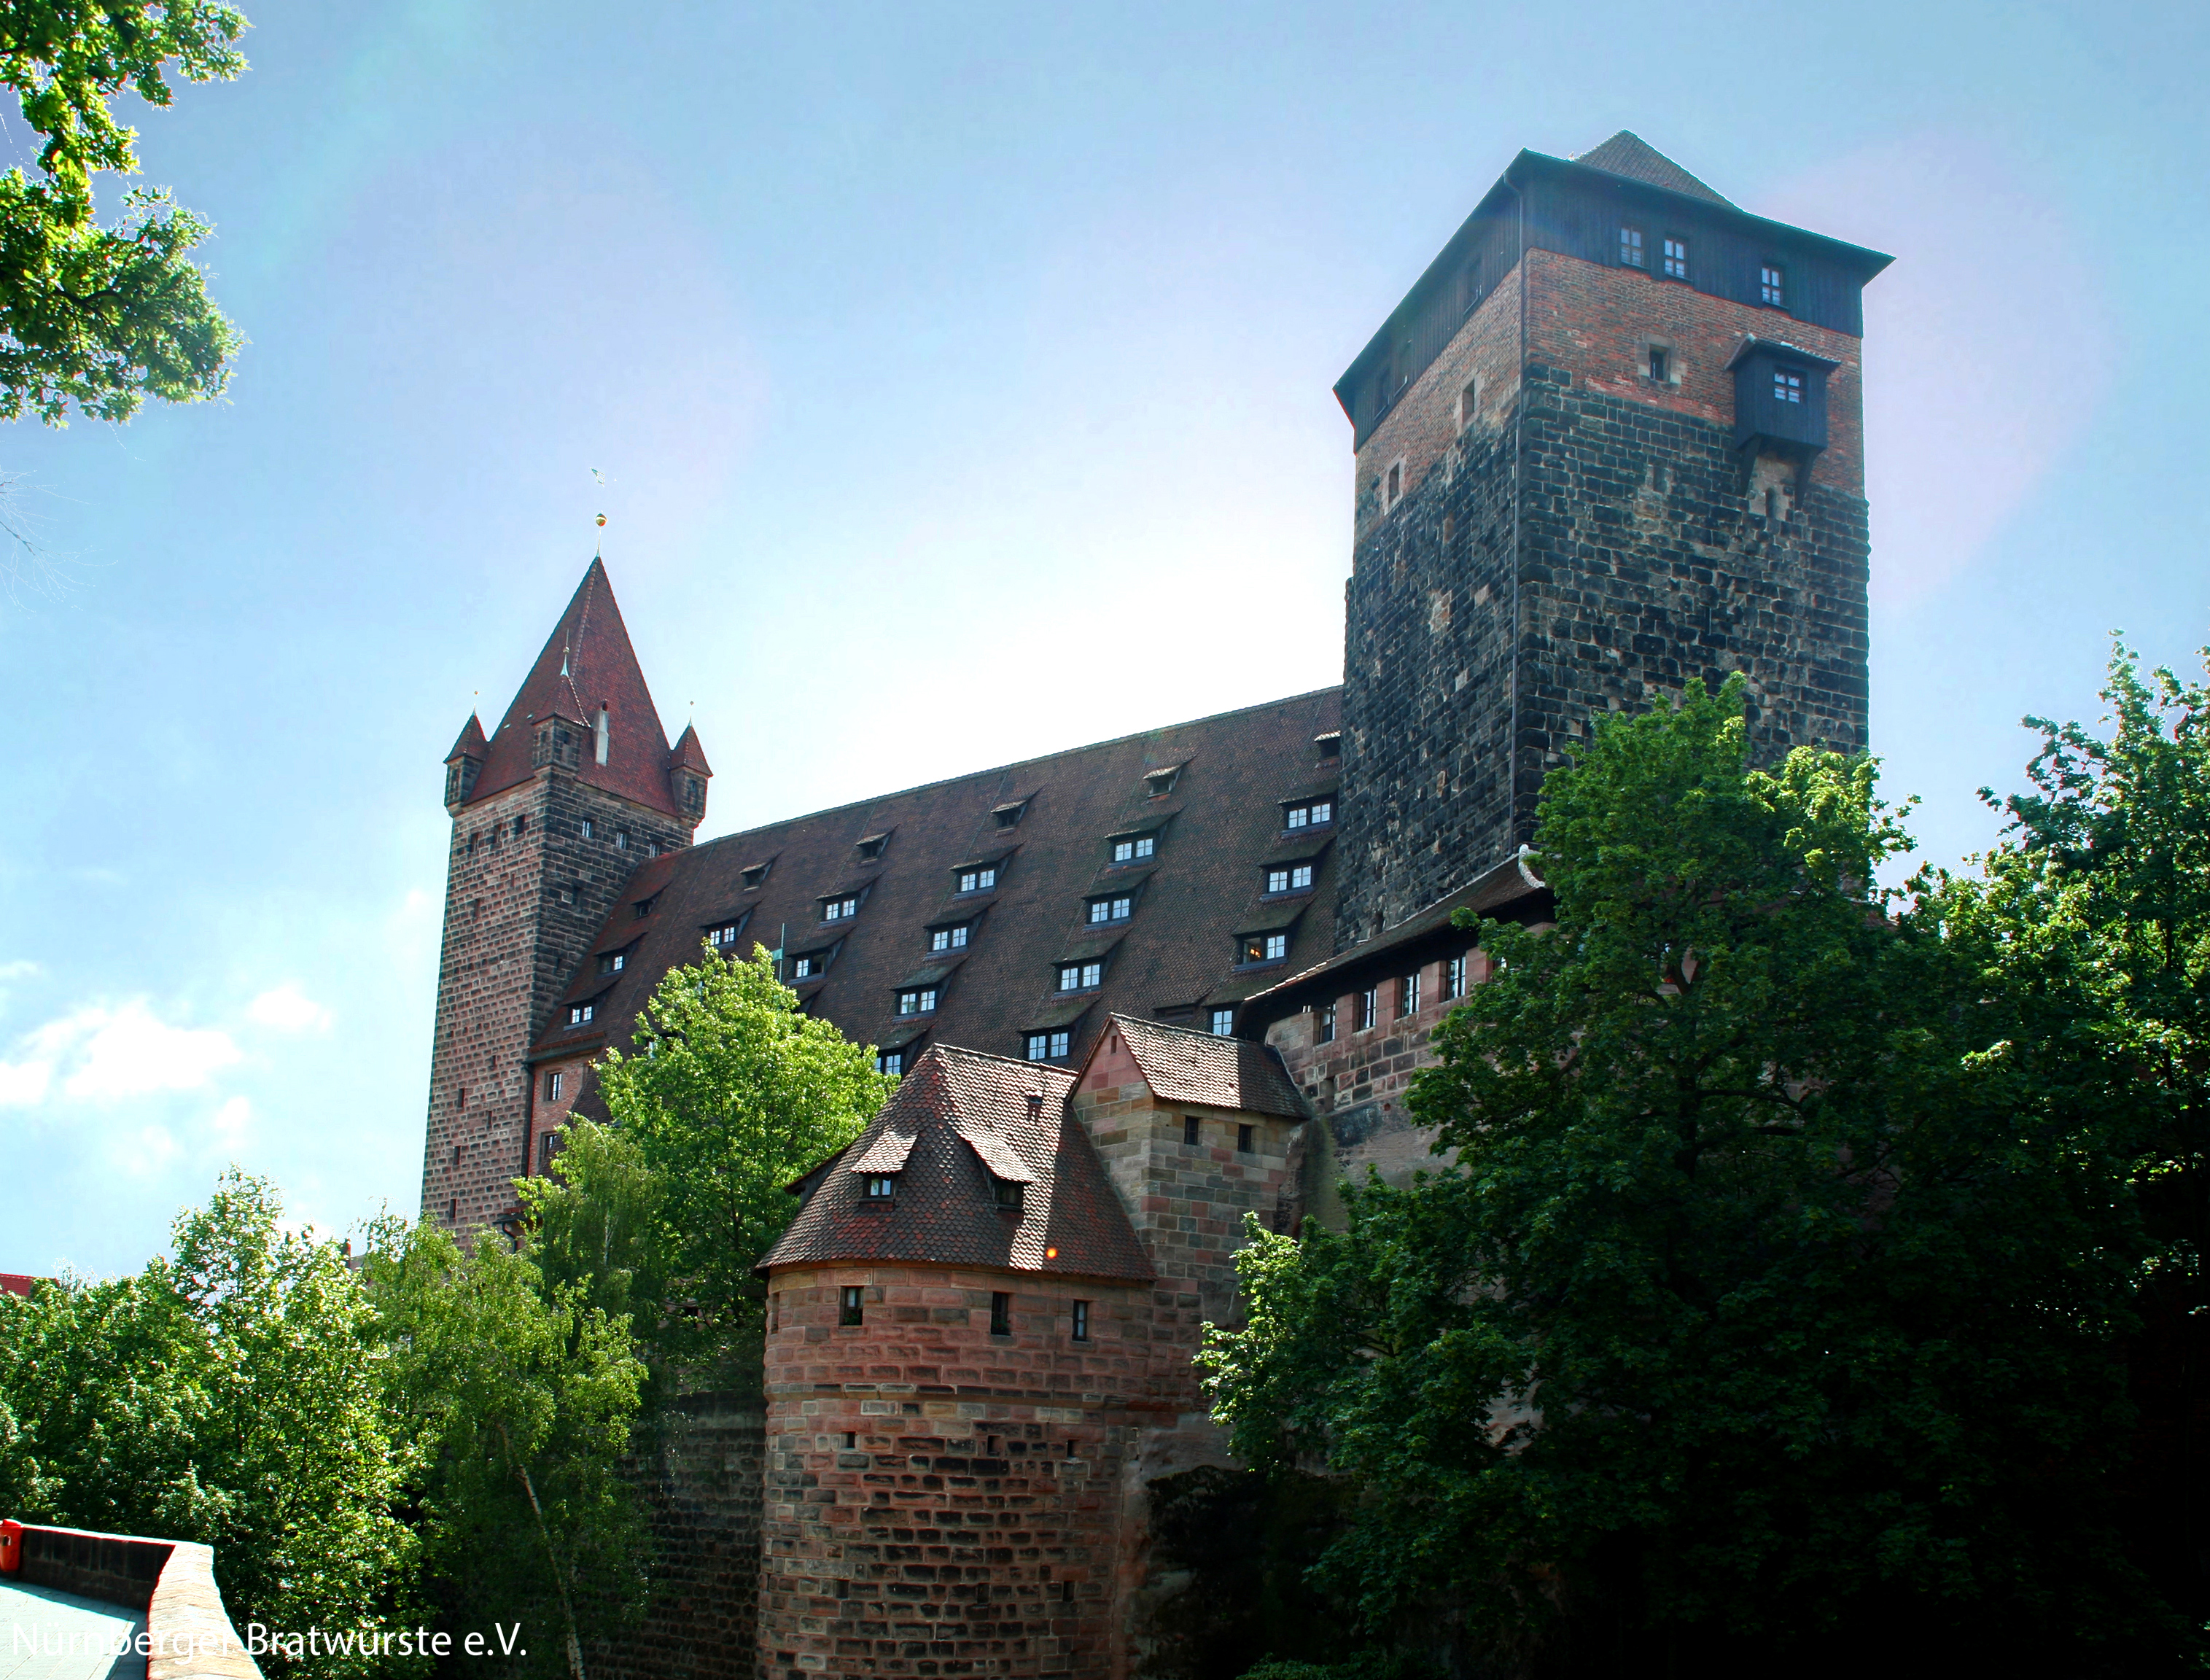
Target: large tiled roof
x=588, y=662
x=1175, y=955
x=1180, y=1066
x=958, y=1124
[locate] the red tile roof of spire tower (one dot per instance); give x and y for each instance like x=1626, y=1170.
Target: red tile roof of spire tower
x=471, y=744
x=688, y=754
x=587, y=663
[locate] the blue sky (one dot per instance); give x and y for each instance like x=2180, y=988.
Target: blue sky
x=962, y=376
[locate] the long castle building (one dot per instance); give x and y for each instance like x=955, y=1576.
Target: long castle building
x=1609, y=443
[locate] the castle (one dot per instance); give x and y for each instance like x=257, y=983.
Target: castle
x=1609, y=443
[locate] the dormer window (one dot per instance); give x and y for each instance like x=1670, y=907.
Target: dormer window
x=580, y=1014
x=613, y=961
x=1009, y=1194
x=1224, y=1024
x=1135, y=850
x=643, y=907
x=871, y=848
x=1112, y=910
x=881, y=1187
x=1265, y=948
x=723, y=938
x=1630, y=248
x=1159, y=783
x=920, y=1001
x=1297, y=878
x=1308, y=813
x=1081, y=976
x=840, y=910
x=806, y=967
x=753, y=875
x=1048, y=1046
x=1677, y=257
x=1330, y=745
x=1772, y=285
x=984, y=879
x=949, y=939
x=891, y=1062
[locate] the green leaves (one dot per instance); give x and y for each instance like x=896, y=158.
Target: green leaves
x=228, y=1398
x=103, y=318
x=728, y=1094
x=1777, y=1283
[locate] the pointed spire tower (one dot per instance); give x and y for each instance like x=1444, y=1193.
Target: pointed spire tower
x=553, y=812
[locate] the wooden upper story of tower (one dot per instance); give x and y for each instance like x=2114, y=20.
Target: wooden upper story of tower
x=1624, y=206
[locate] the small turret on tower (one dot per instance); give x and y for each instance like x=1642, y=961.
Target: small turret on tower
x=464, y=764
x=688, y=774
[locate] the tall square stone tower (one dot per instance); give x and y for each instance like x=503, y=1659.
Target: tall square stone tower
x=552, y=814
x=1609, y=442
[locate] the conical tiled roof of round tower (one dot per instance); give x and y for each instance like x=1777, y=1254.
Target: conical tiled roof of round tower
x=958, y=1125
x=587, y=664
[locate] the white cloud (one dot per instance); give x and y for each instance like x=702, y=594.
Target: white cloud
x=144, y=1152
x=103, y=1053
x=231, y=1119
x=22, y=1084
x=21, y=968
x=287, y=1009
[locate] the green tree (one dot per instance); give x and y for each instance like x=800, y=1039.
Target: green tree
x=103, y=317
x=517, y=1400
x=2099, y=900
x=730, y=1092
x=228, y=1397
x=1773, y=1304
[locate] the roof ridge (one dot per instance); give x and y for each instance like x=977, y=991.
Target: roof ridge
x=1000, y=769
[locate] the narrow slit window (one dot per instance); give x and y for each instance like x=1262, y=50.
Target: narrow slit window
x=553, y=1084
x=1327, y=1023
x=1661, y=365
x=1191, y=1125
x=848, y=1311
x=1081, y=1321
x=1454, y=979
x=1369, y=1008
x=1408, y=993
x=1001, y=1312
x=1246, y=1135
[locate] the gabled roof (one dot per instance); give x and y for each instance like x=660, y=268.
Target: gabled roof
x=1180, y=1066
x=964, y=1120
x=586, y=663
x=471, y=743
x=1628, y=153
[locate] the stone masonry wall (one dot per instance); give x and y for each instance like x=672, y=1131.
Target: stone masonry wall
x=1591, y=543
x=522, y=903
x=699, y=1469
x=941, y=1500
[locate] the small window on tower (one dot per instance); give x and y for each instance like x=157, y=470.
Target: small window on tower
x=1191, y=1131
x=1630, y=248
x=1469, y=403
x=1661, y=365
x=587, y=828
x=1001, y=1313
x=1244, y=1136
x=521, y=826
x=1677, y=258
x=621, y=839
x=1081, y=1321
x=1772, y=288
x=848, y=1304
x=1392, y=486
x=1787, y=386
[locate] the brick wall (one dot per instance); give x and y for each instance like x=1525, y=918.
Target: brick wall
x=522, y=907
x=1600, y=544
x=941, y=1500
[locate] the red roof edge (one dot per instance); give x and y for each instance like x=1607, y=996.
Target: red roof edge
x=470, y=745
x=688, y=754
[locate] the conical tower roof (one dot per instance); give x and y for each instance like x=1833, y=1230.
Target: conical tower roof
x=587, y=664
x=471, y=744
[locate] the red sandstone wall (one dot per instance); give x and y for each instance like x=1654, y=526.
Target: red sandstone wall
x=939, y=1499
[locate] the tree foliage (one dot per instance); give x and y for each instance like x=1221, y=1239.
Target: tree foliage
x=1774, y=1303
x=228, y=1397
x=729, y=1092
x=103, y=317
x=516, y=1399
